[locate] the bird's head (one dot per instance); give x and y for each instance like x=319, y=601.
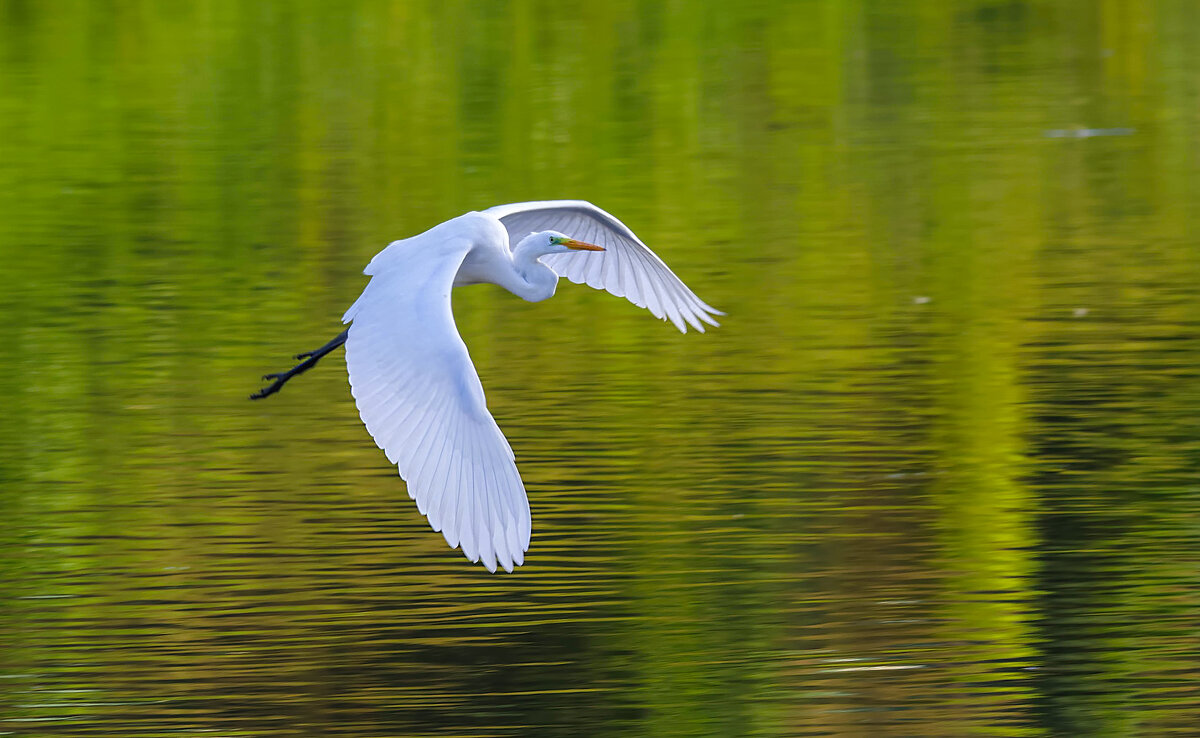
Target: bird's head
x=553, y=242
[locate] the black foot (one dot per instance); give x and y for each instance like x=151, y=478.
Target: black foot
x=309, y=360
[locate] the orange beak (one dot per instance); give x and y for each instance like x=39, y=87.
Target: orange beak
x=580, y=245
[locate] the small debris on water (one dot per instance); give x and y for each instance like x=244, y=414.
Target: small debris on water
x=1081, y=132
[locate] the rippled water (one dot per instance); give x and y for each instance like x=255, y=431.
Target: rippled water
x=937, y=474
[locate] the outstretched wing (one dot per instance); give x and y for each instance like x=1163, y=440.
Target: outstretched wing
x=627, y=268
x=421, y=400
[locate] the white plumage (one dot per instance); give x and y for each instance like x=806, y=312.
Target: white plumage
x=412, y=378
x=627, y=267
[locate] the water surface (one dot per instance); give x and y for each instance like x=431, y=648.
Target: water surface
x=938, y=472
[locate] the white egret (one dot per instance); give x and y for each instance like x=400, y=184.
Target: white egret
x=412, y=378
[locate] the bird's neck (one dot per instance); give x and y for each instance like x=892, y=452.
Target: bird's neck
x=532, y=280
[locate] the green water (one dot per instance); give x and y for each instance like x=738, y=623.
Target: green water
x=938, y=473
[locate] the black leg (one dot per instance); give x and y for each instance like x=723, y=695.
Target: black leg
x=310, y=359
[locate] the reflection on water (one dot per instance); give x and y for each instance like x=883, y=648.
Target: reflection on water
x=936, y=474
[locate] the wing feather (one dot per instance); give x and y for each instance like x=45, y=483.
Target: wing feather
x=628, y=283
x=422, y=402
x=437, y=505
x=627, y=268
x=423, y=451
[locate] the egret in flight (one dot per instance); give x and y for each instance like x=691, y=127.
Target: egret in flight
x=412, y=378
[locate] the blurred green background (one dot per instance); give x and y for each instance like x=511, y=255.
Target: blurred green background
x=938, y=473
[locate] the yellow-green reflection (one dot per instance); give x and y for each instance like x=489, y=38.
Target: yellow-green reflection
x=935, y=475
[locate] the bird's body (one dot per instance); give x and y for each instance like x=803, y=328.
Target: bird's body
x=491, y=261
x=412, y=378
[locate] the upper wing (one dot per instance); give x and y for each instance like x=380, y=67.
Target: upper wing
x=627, y=268
x=419, y=395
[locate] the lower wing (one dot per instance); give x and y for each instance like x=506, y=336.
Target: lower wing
x=421, y=400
